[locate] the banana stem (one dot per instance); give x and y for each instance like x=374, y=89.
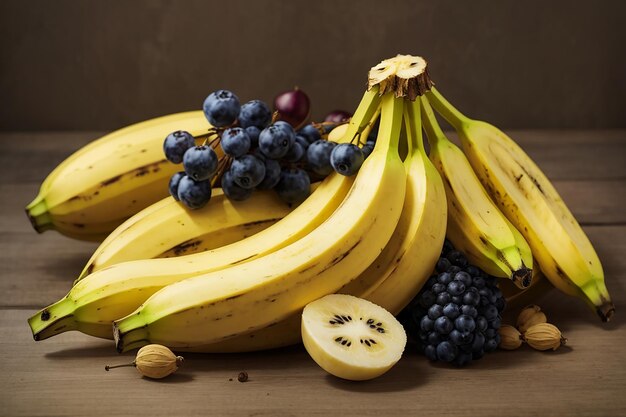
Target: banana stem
x=390, y=123
x=108, y=367
x=434, y=134
x=413, y=123
x=447, y=110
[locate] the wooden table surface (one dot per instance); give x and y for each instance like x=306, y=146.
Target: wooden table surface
x=65, y=375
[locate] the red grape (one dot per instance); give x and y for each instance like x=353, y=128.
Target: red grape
x=338, y=116
x=293, y=107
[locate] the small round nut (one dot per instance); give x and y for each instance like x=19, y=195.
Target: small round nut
x=530, y=316
x=544, y=336
x=510, y=337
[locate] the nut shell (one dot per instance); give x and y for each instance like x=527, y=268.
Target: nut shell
x=157, y=361
x=544, y=336
x=530, y=316
x=510, y=337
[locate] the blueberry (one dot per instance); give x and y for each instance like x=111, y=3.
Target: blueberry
x=495, y=323
x=173, y=184
x=232, y=190
x=481, y=323
x=457, y=299
x=176, y=144
x=438, y=288
x=367, y=150
x=248, y=171
x=427, y=299
x=275, y=141
x=443, y=325
x=452, y=311
x=426, y=324
x=310, y=133
x=435, y=311
x=446, y=351
x=281, y=124
x=346, y=159
x=318, y=156
x=445, y=278
x=465, y=324
x=490, y=312
x=194, y=194
x=454, y=256
x=497, y=293
x=293, y=186
x=295, y=153
x=200, y=162
x=272, y=175
x=431, y=352
x=460, y=338
x=472, y=270
x=469, y=310
x=490, y=333
x=491, y=345
x=253, y=133
x=302, y=141
x=434, y=338
x=443, y=298
x=255, y=113
x=500, y=304
x=454, y=269
x=471, y=297
x=235, y=142
x=221, y=108
x=442, y=265
x=479, y=282
x=463, y=277
x=456, y=288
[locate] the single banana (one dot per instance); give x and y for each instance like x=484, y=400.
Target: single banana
x=94, y=190
x=113, y=292
x=167, y=228
x=476, y=226
x=399, y=272
x=532, y=204
x=216, y=306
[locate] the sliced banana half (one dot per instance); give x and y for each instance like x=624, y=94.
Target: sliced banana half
x=352, y=338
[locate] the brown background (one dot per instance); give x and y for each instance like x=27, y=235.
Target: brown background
x=100, y=65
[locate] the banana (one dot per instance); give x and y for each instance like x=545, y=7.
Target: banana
x=216, y=306
x=403, y=266
x=167, y=228
x=113, y=292
x=94, y=190
x=476, y=226
x=531, y=203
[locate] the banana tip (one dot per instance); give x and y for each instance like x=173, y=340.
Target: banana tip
x=606, y=311
x=119, y=343
x=523, y=277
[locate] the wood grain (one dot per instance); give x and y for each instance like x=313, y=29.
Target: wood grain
x=64, y=376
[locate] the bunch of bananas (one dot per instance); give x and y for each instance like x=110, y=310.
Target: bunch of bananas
x=235, y=276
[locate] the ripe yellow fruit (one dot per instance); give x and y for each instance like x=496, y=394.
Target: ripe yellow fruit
x=544, y=336
x=154, y=361
x=352, y=338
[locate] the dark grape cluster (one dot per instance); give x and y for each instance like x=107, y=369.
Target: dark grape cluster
x=259, y=153
x=456, y=316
